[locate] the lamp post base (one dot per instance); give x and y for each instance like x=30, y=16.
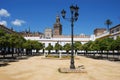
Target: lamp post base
x=72, y=66
x=79, y=69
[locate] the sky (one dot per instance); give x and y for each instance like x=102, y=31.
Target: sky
x=41, y=14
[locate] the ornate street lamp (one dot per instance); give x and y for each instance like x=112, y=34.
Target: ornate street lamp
x=72, y=19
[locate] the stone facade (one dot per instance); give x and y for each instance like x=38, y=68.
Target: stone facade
x=99, y=31
x=57, y=27
x=48, y=33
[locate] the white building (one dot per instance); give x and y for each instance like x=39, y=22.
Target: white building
x=115, y=31
x=62, y=40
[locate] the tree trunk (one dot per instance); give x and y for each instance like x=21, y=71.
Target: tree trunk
x=113, y=54
x=107, y=54
x=4, y=52
x=12, y=52
x=67, y=53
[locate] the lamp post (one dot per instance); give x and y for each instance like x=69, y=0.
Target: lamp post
x=72, y=19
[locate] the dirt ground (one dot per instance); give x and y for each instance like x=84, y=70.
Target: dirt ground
x=37, y=68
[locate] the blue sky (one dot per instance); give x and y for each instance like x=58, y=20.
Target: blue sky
x=40, y=14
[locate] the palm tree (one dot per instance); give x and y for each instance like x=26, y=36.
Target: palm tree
x=108, y=22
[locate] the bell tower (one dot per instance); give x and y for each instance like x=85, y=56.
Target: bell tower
x=57, y=27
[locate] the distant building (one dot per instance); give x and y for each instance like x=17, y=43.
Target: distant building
x=55, y=36
x=99, y=31
x=31, y=34
x=115, y=31
x=7, y=30
x=48, y=33
x=57, y=27
x=103, y=35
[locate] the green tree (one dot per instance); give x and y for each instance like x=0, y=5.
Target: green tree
x=115, y=45
x=77, y=46
x=88, y=46
x=57, y=47
x=20, y=46
x=2, y=33
x=95, y=46
x=3, y=42
x=28, y=46
x=36, y=45
x=14, y=42
x=67, y=47
x=2, y=38
x=49, y=48
x=105, y=43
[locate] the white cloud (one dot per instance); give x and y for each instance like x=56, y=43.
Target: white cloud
x=18, y=22
x=3, y=23
x=4, y=13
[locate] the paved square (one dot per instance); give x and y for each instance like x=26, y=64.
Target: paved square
x=37, y=68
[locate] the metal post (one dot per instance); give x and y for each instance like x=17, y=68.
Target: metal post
x=73, y=18
x=72, y=66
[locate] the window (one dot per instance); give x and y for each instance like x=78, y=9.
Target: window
x=112, y=31
x=117, y=29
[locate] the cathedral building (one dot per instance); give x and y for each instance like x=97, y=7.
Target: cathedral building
x=57, y=27
x=55, y=35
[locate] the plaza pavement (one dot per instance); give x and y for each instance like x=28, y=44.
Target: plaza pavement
x=38, y=68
